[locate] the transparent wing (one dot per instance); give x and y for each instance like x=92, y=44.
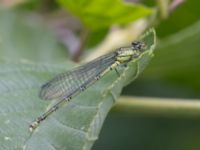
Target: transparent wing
x=66, y=84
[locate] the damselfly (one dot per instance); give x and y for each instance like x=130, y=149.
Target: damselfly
x=69, y=84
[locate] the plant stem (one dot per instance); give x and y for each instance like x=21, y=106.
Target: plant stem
x=83, y=38
x=159, y=106
x=163, y=7
x=175, y=4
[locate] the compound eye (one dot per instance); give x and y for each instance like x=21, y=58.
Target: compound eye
x=138, y=45
x=135, y=43
x=119, y=51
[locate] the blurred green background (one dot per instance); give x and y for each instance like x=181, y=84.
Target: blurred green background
x=174, y=72
x=63, y=31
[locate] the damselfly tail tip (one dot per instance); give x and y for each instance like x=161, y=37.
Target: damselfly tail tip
x=33, y=126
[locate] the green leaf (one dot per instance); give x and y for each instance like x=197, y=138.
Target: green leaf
x=74, y=126
x=24, y=38
x=191, y=13
x=97, y=14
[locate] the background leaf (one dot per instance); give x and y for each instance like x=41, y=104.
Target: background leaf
x=25, y=39
x=96, y=14
x=74, y=126
x=182, y=46
x=173, y=72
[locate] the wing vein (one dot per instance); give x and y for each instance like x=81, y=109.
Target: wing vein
x=66, y=84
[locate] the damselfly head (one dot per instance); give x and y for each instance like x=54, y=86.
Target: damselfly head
x=134, y=50
x=138, y=45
